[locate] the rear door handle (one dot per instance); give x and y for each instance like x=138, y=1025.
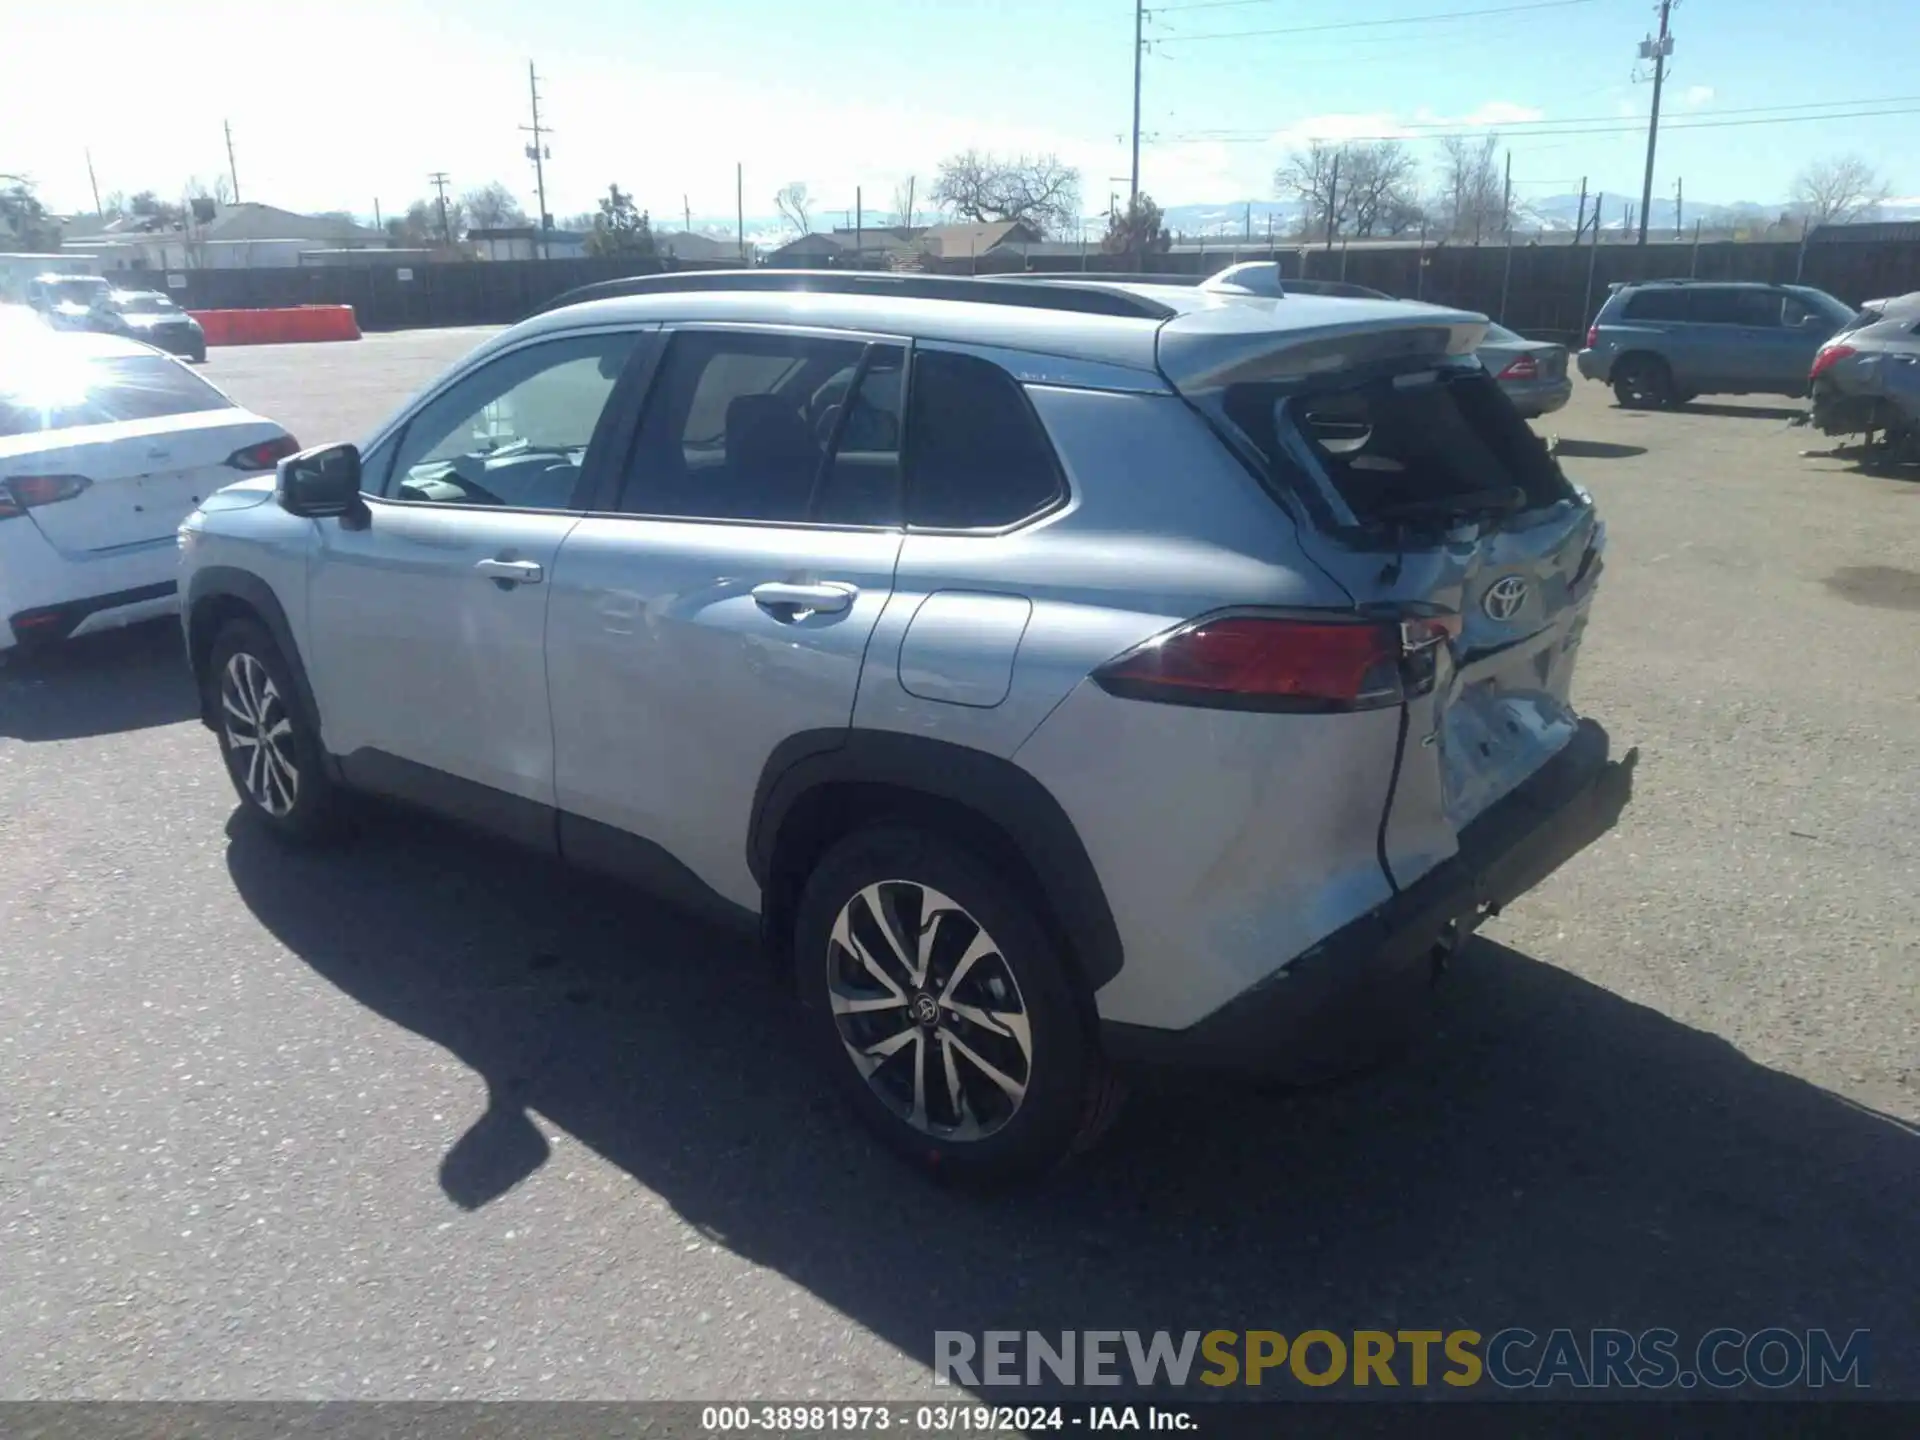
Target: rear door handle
x=512, y=572
x=827, y=598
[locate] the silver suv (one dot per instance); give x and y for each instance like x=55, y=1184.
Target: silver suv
x=1062, y=676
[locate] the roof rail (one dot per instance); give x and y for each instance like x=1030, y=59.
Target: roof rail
x=986, y=290
x=1095, y=277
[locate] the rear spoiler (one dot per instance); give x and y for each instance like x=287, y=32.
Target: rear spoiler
x=1267, y=341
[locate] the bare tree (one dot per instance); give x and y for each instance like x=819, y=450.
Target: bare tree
x=903, y=203
x=492, y=206
x=1472, y=196
x=1372, y=188
x=1837, y=191
x=1310, y=177
x=1040, y=190
x=795, y=206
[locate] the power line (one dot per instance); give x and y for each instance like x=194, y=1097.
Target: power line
x=1595, y=124
x=1356, y=24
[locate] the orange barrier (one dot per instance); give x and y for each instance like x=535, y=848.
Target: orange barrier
x=278, y=327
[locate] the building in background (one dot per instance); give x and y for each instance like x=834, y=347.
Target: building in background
x=234, y=237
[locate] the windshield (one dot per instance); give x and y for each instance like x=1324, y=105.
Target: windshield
x=46, y=390
x=145, y=305
x=78, y=291
x=1501, y=335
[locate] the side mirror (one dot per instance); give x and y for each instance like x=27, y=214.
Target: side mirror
x=320, y=482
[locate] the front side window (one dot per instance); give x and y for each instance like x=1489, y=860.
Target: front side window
x=514, y=432
x=769, y=427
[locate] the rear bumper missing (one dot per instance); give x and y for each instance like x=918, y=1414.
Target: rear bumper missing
x=1352, y=995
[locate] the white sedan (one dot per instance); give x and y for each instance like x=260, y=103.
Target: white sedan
x=106, y=445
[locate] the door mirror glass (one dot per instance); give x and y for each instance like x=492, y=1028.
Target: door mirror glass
x=321, y=482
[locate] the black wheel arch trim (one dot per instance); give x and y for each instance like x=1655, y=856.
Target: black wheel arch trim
x=993, y=788
x=217, y=582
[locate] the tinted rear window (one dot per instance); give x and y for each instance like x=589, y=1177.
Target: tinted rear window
x=977, y=458
x=1656, y=305
x=56, y=395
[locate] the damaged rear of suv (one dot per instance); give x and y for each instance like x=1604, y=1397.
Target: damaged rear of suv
x=1433, y=714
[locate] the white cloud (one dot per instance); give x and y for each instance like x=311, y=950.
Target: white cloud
x=1696, y=96
x=1502, y=112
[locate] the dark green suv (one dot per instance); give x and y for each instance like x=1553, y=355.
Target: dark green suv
x=1663, y=342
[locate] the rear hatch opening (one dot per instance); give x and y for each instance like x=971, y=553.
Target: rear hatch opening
x=1421, y=490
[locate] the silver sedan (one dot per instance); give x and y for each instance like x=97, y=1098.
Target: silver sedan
x=1533, y=373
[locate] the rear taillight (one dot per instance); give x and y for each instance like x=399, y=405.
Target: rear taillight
x=265, y=455
x=1525, y=368
x=1831, y=356
x=1259, y=662
x=1593, y=336
x=22, y=493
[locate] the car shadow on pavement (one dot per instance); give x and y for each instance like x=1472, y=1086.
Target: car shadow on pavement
x=1742, y=412
x=1595, y=450
x=1553, y=1154
x=118, y=680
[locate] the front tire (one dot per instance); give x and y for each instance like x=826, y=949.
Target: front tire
x=943, y=1010
x=270, y=745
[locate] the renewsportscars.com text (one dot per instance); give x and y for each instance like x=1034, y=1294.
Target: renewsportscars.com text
x=1514, y=1358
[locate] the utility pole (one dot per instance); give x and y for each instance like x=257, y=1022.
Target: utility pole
x=1333, y=196
x=740, y=209
x=1679, y=207
x=1139, y=50
x=1593, y=256
x=438, y=179
x=1580, y=224
x=1506, y=201
x=539, y=153
x=233, y=170
x=1656, y=51
x=859, y=223
x=94, y=183
x=376, y=214
x=686, y=214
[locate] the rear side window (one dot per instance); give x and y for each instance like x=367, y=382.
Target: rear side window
x=1738, y=307
x=977, y=457
x=1656, y=305
x=774, y=428
x=1403, y=440
x=57, y=395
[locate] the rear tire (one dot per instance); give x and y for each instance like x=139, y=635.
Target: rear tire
x=943, y=1010
x=1643, y=382
x=270, y=744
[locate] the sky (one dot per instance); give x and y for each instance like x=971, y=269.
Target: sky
x=340, y=105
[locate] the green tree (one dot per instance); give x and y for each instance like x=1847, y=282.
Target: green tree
x=1138, y=230
x=620, y=228
x=24, y=219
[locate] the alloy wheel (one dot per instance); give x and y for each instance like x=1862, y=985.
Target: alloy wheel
x=929, y=1011
x=259, y=734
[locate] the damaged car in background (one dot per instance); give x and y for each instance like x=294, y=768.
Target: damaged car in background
x=1865, y=381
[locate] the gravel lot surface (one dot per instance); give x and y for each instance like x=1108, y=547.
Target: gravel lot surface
x=424, y=1118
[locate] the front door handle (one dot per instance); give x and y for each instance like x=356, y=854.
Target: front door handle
x=511, y=572
x=827, y=598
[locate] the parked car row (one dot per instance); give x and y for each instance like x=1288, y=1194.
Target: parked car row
x=91, y=303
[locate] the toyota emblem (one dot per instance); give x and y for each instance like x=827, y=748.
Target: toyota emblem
x=1504, y=598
